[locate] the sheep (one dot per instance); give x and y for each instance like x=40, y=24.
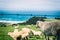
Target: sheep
x=20, y=35
x=16, y=31
x=14, y=34
x=38, y=24
x=49, y=27
x=37, y=33
x=24, y=35
x=11, y=34
x=26, y=29
x=30, y=30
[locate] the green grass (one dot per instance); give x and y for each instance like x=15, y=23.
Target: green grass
x=4, y=31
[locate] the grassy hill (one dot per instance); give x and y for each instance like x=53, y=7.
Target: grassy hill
x=4, y=31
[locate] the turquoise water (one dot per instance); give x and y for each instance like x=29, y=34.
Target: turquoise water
x=14, y=17
x=25, y=15
x=18, y=17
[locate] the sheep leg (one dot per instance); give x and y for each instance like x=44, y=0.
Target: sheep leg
x=22, y=38
x=47, y=37
x=19, y=38
x=14, y=38
x=26, y=38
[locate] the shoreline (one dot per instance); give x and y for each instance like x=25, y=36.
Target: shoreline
x=13, y=22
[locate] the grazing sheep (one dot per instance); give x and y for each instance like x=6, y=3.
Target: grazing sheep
x=49, y=27
x=26, y=29
x=38, y=33
x=16, y=31
x=14, y=34
x=24, y=35
x=20, y=35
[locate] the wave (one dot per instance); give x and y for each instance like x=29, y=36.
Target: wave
x=12, y=22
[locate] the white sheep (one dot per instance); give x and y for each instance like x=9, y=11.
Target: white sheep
x=24, y=34
x=14, y=34
x=26, y=29
x=37, y=33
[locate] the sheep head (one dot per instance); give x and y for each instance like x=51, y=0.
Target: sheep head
x=39, y=24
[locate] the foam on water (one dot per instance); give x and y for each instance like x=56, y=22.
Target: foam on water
x=13, y=22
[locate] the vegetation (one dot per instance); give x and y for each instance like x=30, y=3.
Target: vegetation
x=57, y=18
x=3, y=25
x=34, y=19
x=4, y=31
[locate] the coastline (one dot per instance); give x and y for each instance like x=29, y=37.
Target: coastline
x=13, y=22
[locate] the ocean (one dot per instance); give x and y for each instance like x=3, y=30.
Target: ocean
x=24, y=16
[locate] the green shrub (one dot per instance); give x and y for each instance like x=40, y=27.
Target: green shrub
x=3, y=25
x=34, y=19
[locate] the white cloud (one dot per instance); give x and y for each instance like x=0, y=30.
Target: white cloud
x=29, y=5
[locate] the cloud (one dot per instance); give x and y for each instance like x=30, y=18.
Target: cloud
x=30, y=5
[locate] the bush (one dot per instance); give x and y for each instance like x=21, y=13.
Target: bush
x=34, y=19
x=3, y=25
x=57, y=18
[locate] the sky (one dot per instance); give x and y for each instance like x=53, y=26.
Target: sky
x=30, y=5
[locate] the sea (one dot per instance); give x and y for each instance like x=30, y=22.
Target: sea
x=23, y=16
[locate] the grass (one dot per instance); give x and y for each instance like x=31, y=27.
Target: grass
x=4, y=31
